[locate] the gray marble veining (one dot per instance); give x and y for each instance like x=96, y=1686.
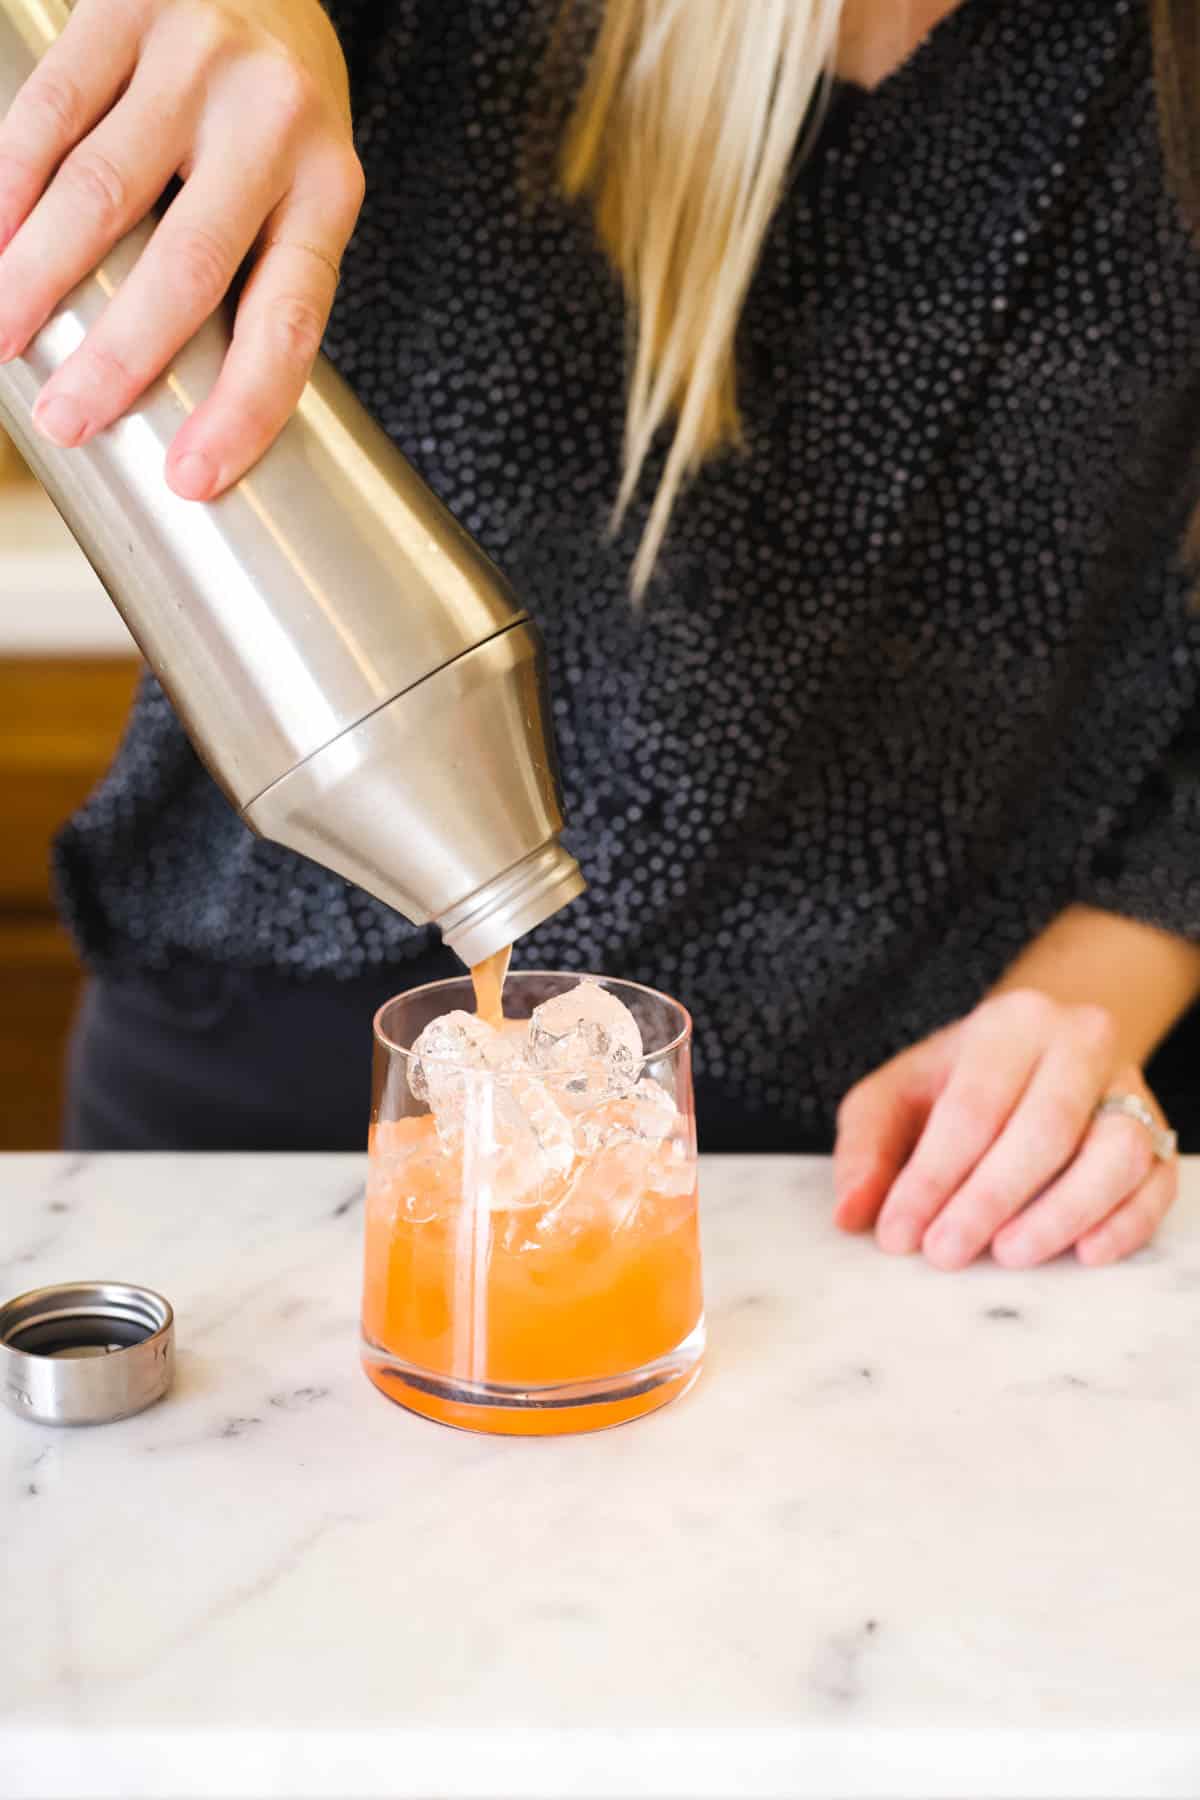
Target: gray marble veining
x=912, y=1534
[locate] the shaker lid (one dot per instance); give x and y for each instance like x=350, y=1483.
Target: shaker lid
x=85, y=1352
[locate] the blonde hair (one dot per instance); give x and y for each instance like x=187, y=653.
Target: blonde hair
x=684, y=135
x=689, y=120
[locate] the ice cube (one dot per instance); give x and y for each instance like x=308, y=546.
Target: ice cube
x=526, y=1105
x=515, y=1141
x=673, y=1170
x=606, y=1188
x=448, y=1046
x=588, y=1037
x=491, y=1111
x=630, y=1151
x=516, y=1034
x=411, y=1179
x=647, y=1114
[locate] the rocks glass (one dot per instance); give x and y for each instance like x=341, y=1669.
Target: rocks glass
x=532, y=1238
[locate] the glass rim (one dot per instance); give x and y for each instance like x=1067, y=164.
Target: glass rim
x=681, y=1038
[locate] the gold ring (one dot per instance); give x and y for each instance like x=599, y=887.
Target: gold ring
x=299, y=244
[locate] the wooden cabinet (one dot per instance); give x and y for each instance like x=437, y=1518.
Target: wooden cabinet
x=60, y=721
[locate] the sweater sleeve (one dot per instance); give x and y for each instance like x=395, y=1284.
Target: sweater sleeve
x=1149, y=868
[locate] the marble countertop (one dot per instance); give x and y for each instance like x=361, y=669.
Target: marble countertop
x=912, y=1534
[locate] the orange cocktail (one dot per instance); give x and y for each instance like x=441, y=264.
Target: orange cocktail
x=532, y=1241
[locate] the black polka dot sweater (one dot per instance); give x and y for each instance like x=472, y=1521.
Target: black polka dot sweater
x=918, y=669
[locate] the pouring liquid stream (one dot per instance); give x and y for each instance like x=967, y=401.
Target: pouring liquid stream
x=488, y=979
x=474, y=1249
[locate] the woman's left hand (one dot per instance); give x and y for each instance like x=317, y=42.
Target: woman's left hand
x=986, y=1135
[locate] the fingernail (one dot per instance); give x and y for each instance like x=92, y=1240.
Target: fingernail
x=898, y=1236
x=946, y=1247
x=193, y=475
x=61, y=419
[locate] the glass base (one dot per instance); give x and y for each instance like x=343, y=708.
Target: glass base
x=543, y=1411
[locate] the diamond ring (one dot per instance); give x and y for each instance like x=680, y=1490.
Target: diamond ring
x=1165, y=1142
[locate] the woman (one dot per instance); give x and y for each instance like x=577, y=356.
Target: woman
x=889, y=773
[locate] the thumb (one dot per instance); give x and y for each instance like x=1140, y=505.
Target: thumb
x=878, y=1125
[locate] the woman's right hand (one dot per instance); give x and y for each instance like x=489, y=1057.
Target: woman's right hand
x=248, y=102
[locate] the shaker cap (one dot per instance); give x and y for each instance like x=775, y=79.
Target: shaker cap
x=85, y=1352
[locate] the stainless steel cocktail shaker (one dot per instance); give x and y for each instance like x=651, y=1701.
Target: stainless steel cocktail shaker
x=350, y=666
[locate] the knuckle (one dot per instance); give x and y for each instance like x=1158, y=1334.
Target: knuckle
x=972, y=1107
x=212, y=33
x=95, y=179
x=288, y=90
x=343, y=190
x=15, y=171
x=109, y=368
x=203, y=265
x=926, y=1181
x=352, y=180
x=53, y=99
x=296, y=327
x=1025, y=1008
